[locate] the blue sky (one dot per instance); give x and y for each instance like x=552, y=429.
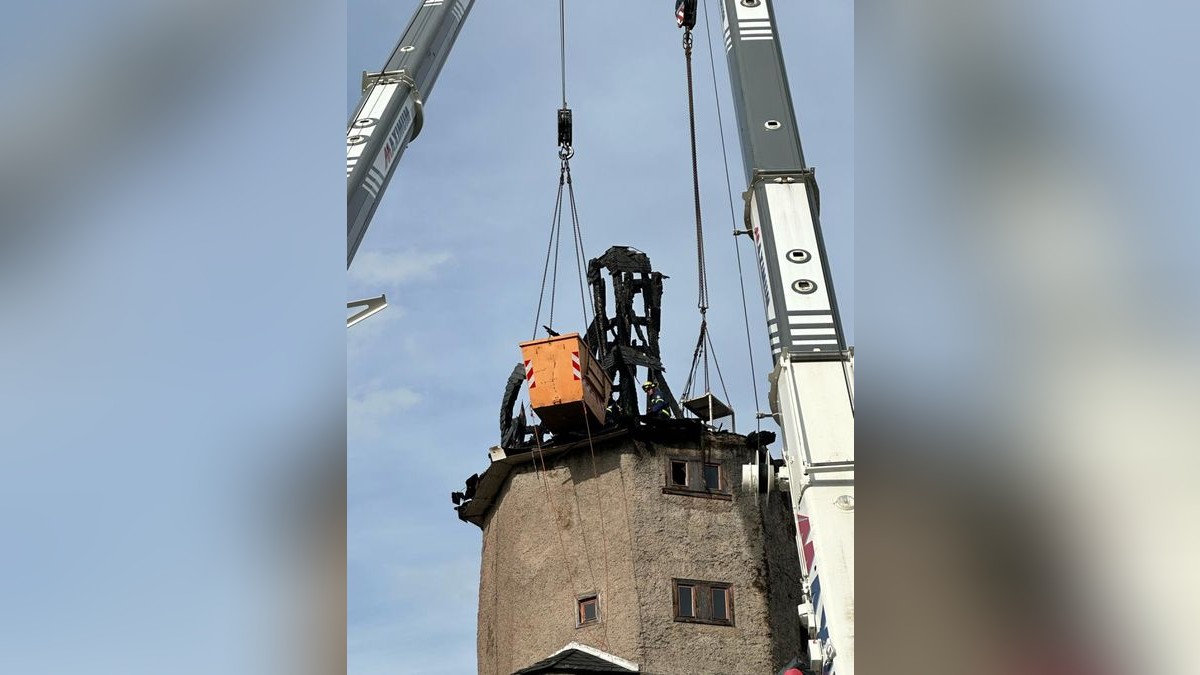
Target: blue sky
x=458, y=244
x=173, y=337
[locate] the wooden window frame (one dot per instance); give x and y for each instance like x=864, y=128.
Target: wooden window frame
x=671, y=462
x=675, y=600
x=580, y=601
x=724, y=588
x=720, y=476
x=702, y=610
x=696, y=487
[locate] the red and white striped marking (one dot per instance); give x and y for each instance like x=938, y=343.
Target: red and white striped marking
x=805, y=529
x=575, y=366
x=529, y=374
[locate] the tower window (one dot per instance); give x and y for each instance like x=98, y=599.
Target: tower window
x=720, y=611
x=703, y=601
x=696, y=478
x=685, y=601
x=589, y=610
x=679, y=473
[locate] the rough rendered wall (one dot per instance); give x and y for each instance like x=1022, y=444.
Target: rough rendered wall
x=543, y=548
x=710, y=540
x=783, y=574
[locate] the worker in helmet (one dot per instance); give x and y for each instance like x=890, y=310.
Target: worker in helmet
x=656, y=405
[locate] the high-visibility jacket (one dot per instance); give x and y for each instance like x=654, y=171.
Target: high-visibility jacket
x=656, y=406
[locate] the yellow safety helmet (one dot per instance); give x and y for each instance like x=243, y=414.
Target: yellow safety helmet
x=648, y=384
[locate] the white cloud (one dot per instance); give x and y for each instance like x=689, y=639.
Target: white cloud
x=379, y=269
x=366, y=413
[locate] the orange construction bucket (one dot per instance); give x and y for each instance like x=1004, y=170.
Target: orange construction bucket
x=565, y=383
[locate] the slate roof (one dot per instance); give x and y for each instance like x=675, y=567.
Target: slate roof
x=573, y=661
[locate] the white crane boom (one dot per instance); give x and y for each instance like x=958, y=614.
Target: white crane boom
x=812, y=393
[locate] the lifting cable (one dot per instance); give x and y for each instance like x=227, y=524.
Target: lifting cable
x=737, y=249
x=565, y=152
x=544, y=477
x=553, y=246
x=550, y=270
x=686, y=19
x=599, y=512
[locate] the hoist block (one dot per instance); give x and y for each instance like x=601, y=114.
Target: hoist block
x=565, y=383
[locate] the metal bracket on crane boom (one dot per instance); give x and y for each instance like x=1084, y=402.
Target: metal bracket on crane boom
x=843, y=355
x=807, y=175
x=390, y=113
x=370, y=79
x=828, y=466
x=373, y=306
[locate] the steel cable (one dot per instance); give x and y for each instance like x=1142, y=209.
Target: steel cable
x=737, y=248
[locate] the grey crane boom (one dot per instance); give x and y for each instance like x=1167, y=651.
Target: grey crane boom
x=389, y=114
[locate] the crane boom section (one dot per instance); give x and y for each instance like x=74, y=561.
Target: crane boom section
x=389, y=114
x=801, y=307
x=811, y=385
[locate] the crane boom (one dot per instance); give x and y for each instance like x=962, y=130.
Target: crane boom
x=389, y=114
x=811, y=384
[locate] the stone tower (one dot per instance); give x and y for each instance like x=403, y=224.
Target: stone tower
x=637, y=550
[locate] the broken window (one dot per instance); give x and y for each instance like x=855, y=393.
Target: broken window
x=589, y=610
x=679, y=474
x=712, y=477
x=703, y=601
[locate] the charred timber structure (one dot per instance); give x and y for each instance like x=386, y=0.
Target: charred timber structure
x=620, y=343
